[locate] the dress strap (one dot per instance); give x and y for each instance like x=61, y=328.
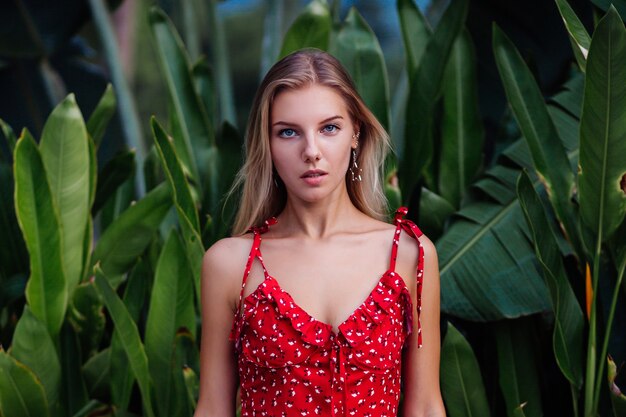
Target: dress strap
x=412, y=230
x=255, y=253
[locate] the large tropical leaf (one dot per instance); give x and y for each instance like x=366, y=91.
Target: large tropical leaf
x=310, y=29
x=603, y=130
x=578, y=35
x=33, y=346
x=517, y=367
x=462, y=133
x=491, y=225
x=21, y=394
x=568, y=321
x=37, y=214
x=357, y=47
x=171, y=308
x=65, y=152
x=187, y=214
x=102, y=114
x=461, y=382
x=547, y=150
x=415, y=32
x=127, y=237
x=424, y=89
x=129, y=335
x=195, y=127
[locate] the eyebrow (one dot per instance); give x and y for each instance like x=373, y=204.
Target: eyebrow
x=322, y=122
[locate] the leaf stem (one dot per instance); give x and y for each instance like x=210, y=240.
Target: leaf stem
x=574, y=399
x=590, y=377
x=607, y=334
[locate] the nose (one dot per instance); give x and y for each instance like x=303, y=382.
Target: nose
x=311, y=151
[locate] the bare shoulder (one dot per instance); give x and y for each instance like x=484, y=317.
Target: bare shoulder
x=408, y=256
x=224, y=263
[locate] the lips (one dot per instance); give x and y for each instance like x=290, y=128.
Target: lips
x=314, y=173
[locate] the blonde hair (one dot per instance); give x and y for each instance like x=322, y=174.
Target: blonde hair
x=262, y=192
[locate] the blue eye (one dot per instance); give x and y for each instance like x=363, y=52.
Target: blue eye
x=287, y=133
x=330, y=128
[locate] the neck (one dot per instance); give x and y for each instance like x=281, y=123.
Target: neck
x=318, y=220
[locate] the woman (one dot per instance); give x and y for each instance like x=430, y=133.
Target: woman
x=327, y=318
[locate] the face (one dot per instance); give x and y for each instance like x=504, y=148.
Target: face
x=311, y=137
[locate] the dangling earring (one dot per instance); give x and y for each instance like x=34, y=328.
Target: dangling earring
x=355, y=171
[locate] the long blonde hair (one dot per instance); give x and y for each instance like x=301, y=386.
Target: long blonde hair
x=262, y=192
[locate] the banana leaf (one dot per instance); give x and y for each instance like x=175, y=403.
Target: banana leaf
x=433, y=212
x=197, y=133
x=603, y=130
x=102, y=114
x=547, y=150
x=462, y=133
x=33, y=347
x=73, y=389
x=9, y=135
x=171, y=308
x=128, y=236
x=121, y=375
x=21, y=394
x=517, y=367
x=620, y=5
x=37, y=214
x=114, y=173
x=357, y=47
x=87, y=318
x=13, y=254
x=578, y=35
x=415, y=32
x=65, y=153
x=185, y=379
x=310, y=29
x=129, y=335
x=187, y=214
x=424, y=90
x=461, y=382
x=97, y=374
x=569, y=323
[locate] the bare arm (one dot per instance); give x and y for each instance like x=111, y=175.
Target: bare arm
x=218, y=376
x=422, y=395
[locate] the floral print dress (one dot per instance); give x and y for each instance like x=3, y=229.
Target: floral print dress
x=291, y=364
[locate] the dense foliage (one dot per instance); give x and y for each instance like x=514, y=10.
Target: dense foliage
x=99, y=273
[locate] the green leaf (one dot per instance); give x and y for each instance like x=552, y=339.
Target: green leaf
x=175, y=175
x=102, y=114
x=311, y=29
x=171, y=308
x=549, y=156
x=13, y=256
x=569, y=322
x=462, y=133
x=87, y=317
x=185, y=207
x=121, y=376
x=97, y=376
x=506, y=286
x=64, y=150
x=357, y=47
x=424, y=90
x=519, y=411
x=33, y=346
x=126, y=328
x=8, y=134
x=37, y=215
x=578, y=35
x=517, y=367
x=433, y=212
x=606, y=4
x=415, y=33
x=127, y=237
x=185, y=379
x=461, y=383
x=205, y=85
x=73, y=389
x=21, y=394
x=192, y=383
x=196, y=129
x=603, y=129
x=117, y=171
x=618, y=399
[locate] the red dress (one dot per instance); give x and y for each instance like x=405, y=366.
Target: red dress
x=291, y=364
